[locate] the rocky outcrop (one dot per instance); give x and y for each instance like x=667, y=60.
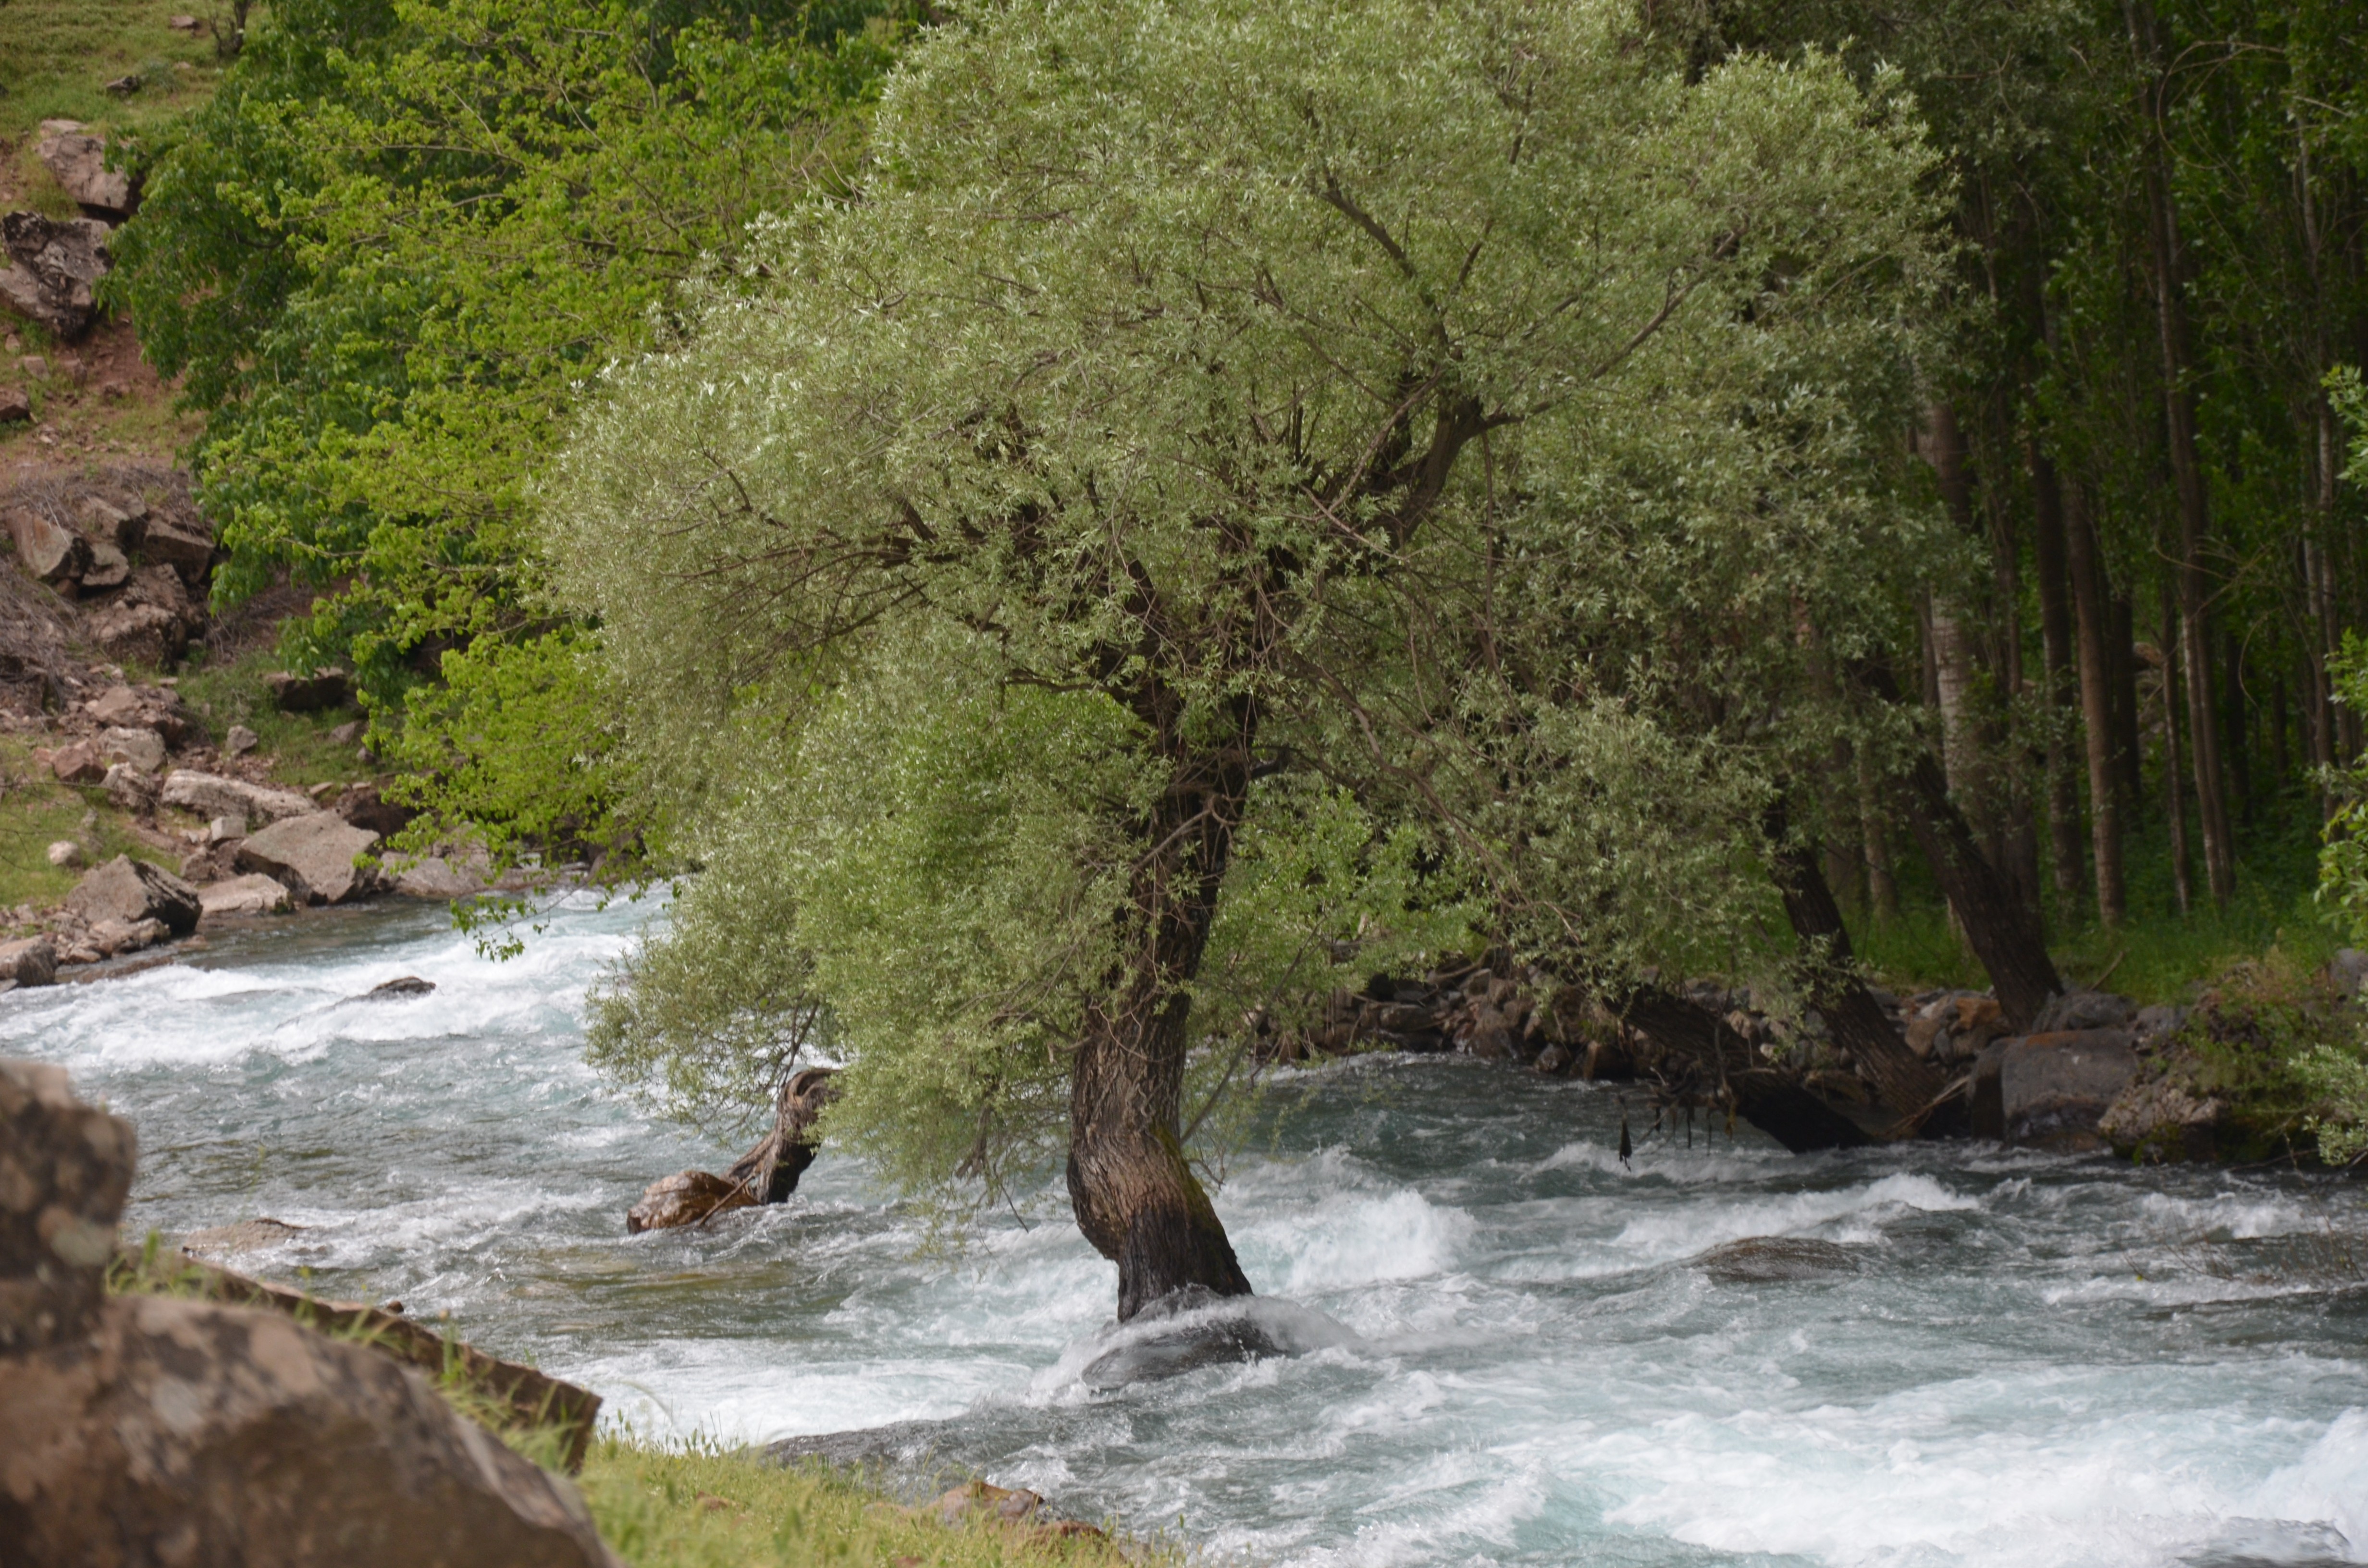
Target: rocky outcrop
x=314, y=856
x=47, y=550
x=77, y=161
x=2052, y=1090
x=53, y=266
x=132, y=890
x=766, y=1173
x=29, y=960
x=210, y=795
x=152, y=1430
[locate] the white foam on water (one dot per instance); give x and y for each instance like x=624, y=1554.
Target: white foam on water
x=1497, y=1347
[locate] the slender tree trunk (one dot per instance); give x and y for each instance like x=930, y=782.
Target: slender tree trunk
x=1134, y=1194
x=2187, y=483
x=2129, y=749
x=1881, y=888
x=2090, y=614
x=2173, y=794
x=2055, y=632
x=2236, y=726
x=1907, y=1084
x=1956, y=669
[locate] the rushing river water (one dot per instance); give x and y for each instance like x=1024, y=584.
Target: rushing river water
x=1513, y=1353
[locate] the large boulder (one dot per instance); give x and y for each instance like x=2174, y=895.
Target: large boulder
x=189, y=554
x=252, y=894
x=132, y=890
x=314, y=856
x=438, y=877
x=78, y=160
x=142, y=748
x=2051, y=1090
x=210, y=795
x=135, y=633
x=65, y=1169
x=47, y=550
x=152, y=1430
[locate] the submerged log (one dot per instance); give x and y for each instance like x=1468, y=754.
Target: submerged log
x=766, y=1173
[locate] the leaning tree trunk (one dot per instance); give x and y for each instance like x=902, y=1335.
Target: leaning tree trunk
x=1133, y=1192
x=1908, y=1084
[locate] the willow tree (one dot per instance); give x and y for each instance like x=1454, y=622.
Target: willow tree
x=972, y=573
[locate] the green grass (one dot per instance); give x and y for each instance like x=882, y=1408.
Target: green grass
x=672, y=1509
x=56, y=57
x=36, y=810
x=298, y=746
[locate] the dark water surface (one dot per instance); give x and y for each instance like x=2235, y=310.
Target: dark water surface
x=1513, y=1350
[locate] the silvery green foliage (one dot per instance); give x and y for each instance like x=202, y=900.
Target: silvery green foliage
x=1102, y=411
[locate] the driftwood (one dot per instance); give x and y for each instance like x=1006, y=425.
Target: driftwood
x=535, y=1398
x=766, y=1173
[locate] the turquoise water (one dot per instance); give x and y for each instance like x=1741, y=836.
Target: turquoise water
x=1510, y=1354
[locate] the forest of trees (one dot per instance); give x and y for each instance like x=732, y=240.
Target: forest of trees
x=1080, y=525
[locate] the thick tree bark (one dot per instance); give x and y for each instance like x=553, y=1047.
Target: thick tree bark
x=771, y=1169
x=1767, y=1097
x=2096, y=706
x=1133, y=1192
x=1907, y=1084
x=2050, y=548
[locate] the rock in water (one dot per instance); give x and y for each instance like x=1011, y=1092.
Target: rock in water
x=1769, y=1260
x=687, y=1198
x=132, y=890
x=2051, y=1090
x=408, y=985
x=313, y=855
x=252, y=894
x=1182, y=1331
x=30, y=960
x=246, y=1234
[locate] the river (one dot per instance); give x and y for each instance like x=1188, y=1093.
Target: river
x=1513, y=1353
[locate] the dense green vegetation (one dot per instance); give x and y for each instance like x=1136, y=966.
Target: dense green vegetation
x=1089, y=531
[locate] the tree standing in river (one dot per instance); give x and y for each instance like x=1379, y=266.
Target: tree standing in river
x=1003, y=566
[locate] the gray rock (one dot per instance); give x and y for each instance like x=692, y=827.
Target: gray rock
x=2083, y=1010
x=240, y=741
x=121, y=526
x=78, y=160
x=253, y=894
x=110, y=937
x=29, y=960
x=2157, y=1120
x=436, y=877
x=210, y=795
x=190, y=555
x=16, y=405
x=2348, y=969
x=136, y=633
x=144, y=749
x=65, y=1168
x=129, y=789
x=245, y=1236
x=65, y=854
x=1768, y=1260
x=51, y=267
x=400, y=987
x=2156, y=1024
x=313, y=855
x=132, y=890
x=2052, y=1090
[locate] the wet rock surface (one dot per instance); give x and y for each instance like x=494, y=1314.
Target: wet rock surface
x=132, y=890
x=2051, y=1091
x=1767, y=1260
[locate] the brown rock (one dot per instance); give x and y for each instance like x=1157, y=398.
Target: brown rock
x=122, y=527
x=113, y=937
x=65, y=1169
x=364, y=807
x=687, y=1198
x=53, y=266
x=129, y=789
x=187, y=1432
x=78, y=763
x=32, y=961
x=107, y=568
x=140, y=634
x=132, y=890
x=314, y=856
x=78, y=161
x=245, y=895
x=49, y=552
x=16, y=405
x=209, y=795
x=191, y=555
